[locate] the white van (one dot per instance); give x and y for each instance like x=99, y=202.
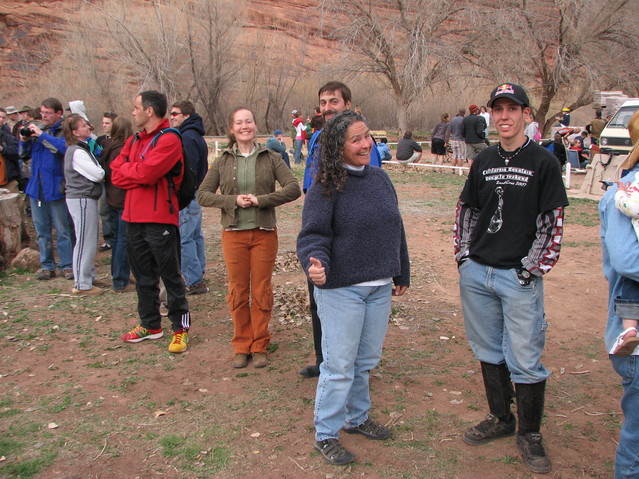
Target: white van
x=615, y=135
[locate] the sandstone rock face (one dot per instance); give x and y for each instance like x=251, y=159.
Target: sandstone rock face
x=26, y=25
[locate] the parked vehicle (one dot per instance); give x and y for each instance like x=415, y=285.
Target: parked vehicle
x=615, y=135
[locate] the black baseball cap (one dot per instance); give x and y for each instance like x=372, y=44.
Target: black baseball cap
x=509, y=90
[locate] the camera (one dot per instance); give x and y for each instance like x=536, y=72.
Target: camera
x=26, y=132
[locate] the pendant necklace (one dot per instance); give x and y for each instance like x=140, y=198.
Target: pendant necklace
x=514, y=153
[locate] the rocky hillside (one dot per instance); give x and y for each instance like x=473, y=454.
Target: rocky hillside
x=25, y=26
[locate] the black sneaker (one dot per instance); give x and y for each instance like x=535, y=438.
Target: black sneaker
x=311, y=371
x=370, y=429
x=104, y=247
x=490, y=429
x=533, y=453
x=197, y=288
x=334, y=452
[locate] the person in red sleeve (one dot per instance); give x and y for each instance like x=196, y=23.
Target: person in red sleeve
x=152, y=213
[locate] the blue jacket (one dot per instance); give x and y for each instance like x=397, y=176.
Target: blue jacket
x=47, y=164
x=384, y=152
x=620, y=253
x=192, y=131
x=312, y=164
x=358, y=233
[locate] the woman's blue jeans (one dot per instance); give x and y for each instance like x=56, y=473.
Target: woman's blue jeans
x=354, y=322
x=627, y=459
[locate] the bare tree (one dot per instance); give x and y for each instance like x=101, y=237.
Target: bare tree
x=409, y=45
x=212, y=31
x=564, y=50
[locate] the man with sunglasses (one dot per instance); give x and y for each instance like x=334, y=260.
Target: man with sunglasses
x=185, y=119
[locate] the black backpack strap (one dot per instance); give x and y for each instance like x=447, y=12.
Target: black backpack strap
x=169, y=176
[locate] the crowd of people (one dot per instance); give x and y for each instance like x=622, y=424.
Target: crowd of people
x=352, y=244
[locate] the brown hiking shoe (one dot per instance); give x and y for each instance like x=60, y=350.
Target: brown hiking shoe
x=260, y=360
x=490, y=429
x=240, y=361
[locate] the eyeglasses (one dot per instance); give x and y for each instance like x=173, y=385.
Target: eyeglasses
x=175, y=113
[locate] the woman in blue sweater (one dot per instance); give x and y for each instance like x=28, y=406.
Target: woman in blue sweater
x=353, y=248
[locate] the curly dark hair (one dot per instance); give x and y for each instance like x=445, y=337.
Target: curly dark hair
x=332, y=174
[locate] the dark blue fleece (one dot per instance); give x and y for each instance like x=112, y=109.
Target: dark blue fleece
x=357, y=234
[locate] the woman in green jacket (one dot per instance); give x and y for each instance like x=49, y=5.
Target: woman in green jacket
x=245, y=175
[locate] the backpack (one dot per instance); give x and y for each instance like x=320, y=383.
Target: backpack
x=186, y=191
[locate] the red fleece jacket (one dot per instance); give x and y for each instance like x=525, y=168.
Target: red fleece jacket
x=141, y=172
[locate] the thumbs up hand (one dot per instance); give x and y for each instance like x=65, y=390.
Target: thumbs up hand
x=316, y=272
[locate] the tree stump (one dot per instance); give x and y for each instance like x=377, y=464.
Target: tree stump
x=10, y=224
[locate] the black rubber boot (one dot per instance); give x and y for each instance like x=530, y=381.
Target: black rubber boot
x=500, y=422
x=499, y=389
x=530, y=409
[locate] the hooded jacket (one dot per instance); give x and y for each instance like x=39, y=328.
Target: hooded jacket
x=192, y=130
x=141, y=168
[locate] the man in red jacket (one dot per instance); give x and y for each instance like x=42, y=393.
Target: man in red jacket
x=152, y=214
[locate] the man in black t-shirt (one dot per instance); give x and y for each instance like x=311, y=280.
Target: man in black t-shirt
x=508, y=232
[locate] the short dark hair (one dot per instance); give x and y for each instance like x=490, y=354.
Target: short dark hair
x=35, y=114
x=112, y=116
x=3, y=110
x=333, y=86
x=53, y=103
x=185, y=106
x=384, y=140
x=155, y=100
x=408, y=135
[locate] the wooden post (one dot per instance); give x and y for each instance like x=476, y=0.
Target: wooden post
x=10, y=224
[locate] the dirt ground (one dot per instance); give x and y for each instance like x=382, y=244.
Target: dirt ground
x=76, y=402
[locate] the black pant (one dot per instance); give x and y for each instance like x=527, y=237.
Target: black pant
x=154, y=253
x=317, y=326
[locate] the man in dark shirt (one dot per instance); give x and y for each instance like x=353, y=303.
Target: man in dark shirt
x=408, y=151
x=507, y=235
x=474, y=131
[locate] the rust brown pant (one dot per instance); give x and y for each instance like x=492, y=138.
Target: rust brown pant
x=250, y=257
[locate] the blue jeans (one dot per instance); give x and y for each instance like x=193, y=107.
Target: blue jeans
x=192, y=244
x=285, y=158
x=109, y=217
x=504, y=320
x=354, y=321
x=120, y=268
x=47, y=214
x=627, y=303
x=298, y=151
x=627, y=459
